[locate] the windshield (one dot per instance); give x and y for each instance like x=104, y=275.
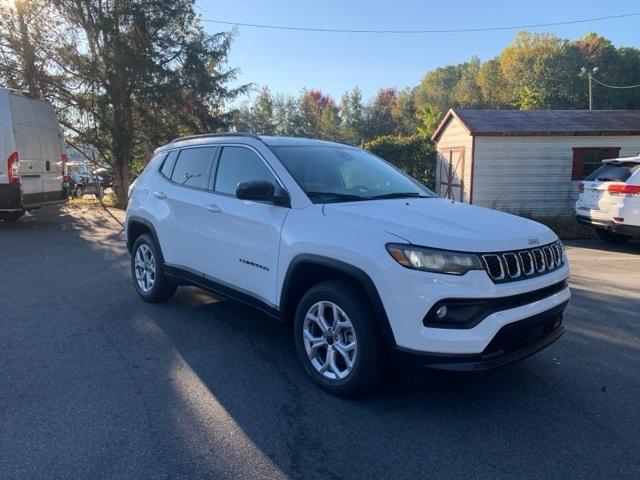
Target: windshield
x=339, y=174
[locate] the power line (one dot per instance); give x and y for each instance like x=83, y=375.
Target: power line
x=614, y=86
x=412, y=32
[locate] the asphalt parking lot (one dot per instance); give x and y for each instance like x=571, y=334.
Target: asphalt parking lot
x=95, y=383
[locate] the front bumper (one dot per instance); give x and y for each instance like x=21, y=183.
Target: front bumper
x=513, y=342
x=619, y=228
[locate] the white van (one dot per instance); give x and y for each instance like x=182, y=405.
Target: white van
x=32, y=159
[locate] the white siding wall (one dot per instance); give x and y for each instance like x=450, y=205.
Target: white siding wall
x=532, y=175
x=455, y=135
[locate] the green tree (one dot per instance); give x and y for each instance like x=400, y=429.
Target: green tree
x=352, y=116
x=126, y=76
x=404, y=113
x=415, y=155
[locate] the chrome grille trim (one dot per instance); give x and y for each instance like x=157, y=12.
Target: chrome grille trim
x=548, y=257
x=492, y=271
x=509, y=258
x=518, y=265
x=541, y=266
x=532, y=267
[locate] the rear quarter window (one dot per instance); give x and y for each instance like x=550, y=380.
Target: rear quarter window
x=169, y=162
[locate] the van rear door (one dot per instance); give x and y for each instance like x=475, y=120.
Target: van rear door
x=51, y=146
x=38, y=143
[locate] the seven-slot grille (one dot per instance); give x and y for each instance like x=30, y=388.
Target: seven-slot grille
x=522, y=264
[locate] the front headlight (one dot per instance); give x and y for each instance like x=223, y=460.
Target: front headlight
x=432, y=260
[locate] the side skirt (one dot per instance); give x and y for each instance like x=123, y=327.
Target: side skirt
x=188, y=277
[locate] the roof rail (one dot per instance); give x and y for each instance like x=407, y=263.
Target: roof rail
x=213, y=135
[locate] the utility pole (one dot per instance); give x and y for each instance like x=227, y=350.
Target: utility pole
x=589, y=73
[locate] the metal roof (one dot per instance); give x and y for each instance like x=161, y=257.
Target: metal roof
x=544, y=122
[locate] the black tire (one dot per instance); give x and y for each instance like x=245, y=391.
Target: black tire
x=370, y=361
x=100, y=192
x=78, y=191
x=611, y=237
x=9, y=217
x=164, y=287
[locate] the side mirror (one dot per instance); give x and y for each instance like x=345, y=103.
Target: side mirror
x=263, y=191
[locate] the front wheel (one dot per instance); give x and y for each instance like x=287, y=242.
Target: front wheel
x=337, y=339
x=151, y=283
x=611, y=237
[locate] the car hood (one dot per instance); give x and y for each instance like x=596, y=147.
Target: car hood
x=441, y=223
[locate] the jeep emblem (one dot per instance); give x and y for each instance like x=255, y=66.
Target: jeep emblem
x=533, y=241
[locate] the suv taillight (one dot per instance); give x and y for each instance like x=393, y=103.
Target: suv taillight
x=623, y=189
x=581, y=187
x=13, y=168
x=63, y=160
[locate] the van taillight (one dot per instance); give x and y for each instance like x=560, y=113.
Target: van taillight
x=581, y=187
x=13, y=168
x=624, y=189
x=63, y=160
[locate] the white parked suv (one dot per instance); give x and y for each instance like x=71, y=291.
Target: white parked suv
x=368, y=265
x=610, y=200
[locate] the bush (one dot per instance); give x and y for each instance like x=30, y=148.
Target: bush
x=415, y=155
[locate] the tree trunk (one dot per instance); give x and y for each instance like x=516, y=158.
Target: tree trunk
x=122, y=145
x=28, y=53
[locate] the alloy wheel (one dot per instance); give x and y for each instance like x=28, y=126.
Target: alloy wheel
x=330, y=340
x=145, y=268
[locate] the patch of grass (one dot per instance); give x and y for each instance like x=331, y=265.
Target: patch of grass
x=110, y=200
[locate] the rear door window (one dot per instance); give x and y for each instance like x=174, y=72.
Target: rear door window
x=613, y=172
x=193, y=167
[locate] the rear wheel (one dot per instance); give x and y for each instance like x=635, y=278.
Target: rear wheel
x=611, y=237
x=100, y=192
x=148, y=279
x=337, y=339
x=11, y=216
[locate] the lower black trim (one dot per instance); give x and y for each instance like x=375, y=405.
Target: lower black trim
x=619, y=228
x=513, y=342
x=465, y=313
x=188, y=277
x=33, y=200
x=10, y=196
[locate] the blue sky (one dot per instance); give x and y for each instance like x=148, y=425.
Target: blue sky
x=286, y=62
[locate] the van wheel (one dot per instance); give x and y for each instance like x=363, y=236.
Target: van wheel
x=611, y=237
x=11, y=216
x=146, y=270
x=337, y=339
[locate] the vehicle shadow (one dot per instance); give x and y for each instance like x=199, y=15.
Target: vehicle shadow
x=632, y=246
x=200, y=387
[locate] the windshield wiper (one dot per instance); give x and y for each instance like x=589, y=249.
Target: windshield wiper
x=336, y=196
x=399, y=195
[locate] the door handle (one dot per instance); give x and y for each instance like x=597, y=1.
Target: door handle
x=160, y=195
x=212, y=208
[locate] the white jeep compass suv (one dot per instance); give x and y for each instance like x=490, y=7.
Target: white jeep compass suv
x=609, y=200
x=368, y=265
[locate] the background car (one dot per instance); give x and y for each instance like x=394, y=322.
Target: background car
x=609, y=200
x=83, y=180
